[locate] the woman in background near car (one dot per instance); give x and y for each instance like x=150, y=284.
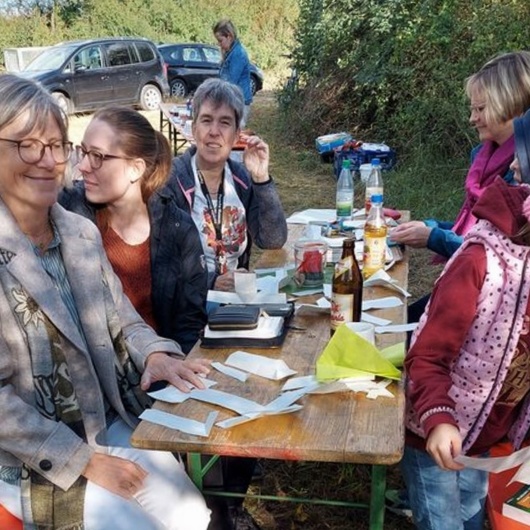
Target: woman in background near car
x=152, y=244
x=235, y=66
x=232, y=204
x=72, y=352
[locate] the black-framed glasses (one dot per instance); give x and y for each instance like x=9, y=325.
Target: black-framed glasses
x=31, y=151
x=95, y=158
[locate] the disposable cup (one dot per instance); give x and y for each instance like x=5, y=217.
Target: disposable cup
x=363, y=329
x=365, y=170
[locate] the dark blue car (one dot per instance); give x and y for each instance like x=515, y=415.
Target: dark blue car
x=189, y=64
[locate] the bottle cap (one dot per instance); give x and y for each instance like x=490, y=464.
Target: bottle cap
x=346, y=163
x=376, y=199
x=376, y=162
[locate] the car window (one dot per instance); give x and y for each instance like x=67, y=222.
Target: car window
x=118, y=53
x=145, y=51
x=191, y=54
x=213, y=55
x=88, y=58
x=50, y=59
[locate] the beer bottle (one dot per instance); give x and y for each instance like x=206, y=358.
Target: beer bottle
x=347, y=288
x=375, y=231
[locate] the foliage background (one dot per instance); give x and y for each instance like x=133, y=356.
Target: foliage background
x=265, y=28
x=395, y=69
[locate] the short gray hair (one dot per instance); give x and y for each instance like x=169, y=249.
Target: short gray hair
x=19, y=95
x=219, y=93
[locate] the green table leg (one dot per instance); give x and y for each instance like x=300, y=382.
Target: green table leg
x=377, y=500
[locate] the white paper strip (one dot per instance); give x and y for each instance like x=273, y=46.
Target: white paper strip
x=226, y=400
x=397, y=328
x=288, y=398
x=171, y=394
x=502, y=463
x=259, y=365
x=238, y=420
x=231, y=372
x=179, y=423
x=382, y=303
x=299, y=382
x=376, y=321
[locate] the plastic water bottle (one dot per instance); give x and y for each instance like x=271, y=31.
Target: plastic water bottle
x=345, y=193
x=375, y=230
x=374, y=184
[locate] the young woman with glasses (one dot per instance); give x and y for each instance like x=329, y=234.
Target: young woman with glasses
x=153, y=245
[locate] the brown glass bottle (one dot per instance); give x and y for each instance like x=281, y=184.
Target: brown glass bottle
x=346, y=288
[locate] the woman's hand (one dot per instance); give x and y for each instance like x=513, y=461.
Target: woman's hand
x=444, y=444
x=256, y=159
x=414, y=233
x=225, y=282
x=120, y=476
x=160, y=366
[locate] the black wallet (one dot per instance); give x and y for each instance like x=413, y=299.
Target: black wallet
x=234, y=317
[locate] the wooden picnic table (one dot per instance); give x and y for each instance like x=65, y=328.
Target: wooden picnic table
x=171, y=125
x=341, y=427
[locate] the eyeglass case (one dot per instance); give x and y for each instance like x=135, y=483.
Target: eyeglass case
x=234, y=317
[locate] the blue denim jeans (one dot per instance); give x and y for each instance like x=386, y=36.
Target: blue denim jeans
x=443, y=500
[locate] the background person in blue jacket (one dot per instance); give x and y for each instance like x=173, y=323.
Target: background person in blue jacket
x=235, y=66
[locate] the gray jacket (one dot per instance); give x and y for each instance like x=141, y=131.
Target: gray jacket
x=51, y=448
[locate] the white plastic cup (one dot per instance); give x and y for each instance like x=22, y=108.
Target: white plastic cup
x=364, y=330
x=365, y=170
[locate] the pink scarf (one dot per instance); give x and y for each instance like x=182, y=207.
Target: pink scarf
x=491, y=160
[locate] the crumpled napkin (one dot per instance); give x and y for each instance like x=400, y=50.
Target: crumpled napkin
x=349, y=355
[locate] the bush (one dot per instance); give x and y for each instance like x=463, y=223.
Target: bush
x=394, y=70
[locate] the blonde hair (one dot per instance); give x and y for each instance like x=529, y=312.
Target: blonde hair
x=504, y=82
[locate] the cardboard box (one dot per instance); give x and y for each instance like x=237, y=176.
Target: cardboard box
x=499, y=490
x=518, y=506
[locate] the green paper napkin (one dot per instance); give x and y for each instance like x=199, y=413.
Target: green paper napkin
x=349, y=355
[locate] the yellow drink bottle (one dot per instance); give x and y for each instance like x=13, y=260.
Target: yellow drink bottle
x=375, y=231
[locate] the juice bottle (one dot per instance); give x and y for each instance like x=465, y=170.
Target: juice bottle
x=375, y=231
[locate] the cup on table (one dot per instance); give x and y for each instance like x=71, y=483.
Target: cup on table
x=364, y=330
x=310, y=262
x=365, y=170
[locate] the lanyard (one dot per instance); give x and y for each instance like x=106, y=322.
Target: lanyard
x=216, y=213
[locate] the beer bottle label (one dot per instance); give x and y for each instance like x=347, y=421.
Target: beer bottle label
x=341, y=309
x=343, y=265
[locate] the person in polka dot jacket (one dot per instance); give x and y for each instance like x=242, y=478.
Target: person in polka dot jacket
x=468, y=369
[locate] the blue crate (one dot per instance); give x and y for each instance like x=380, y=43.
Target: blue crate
x=364, y=155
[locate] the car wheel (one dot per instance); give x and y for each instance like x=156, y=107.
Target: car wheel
x=150, y=97
x=178, y=88
x=253, y=85
x=63, y=102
